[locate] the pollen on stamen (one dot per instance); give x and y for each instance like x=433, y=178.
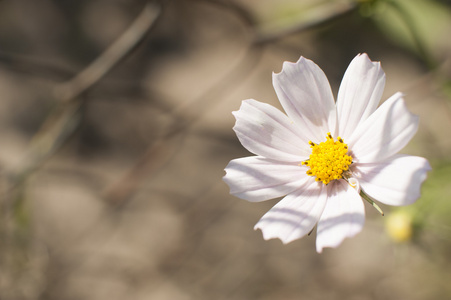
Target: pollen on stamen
x=329, y=160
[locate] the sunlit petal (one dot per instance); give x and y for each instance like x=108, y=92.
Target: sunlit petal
x=343, y=216
x=257, y=178
x=359, y=94
x=396, y=181
x=264, y=130
x=296, y=214
x=385, y=132
x=306, y=97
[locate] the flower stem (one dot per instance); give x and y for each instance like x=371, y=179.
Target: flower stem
x=374, y=204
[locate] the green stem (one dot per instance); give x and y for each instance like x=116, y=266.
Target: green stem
x=374, y=204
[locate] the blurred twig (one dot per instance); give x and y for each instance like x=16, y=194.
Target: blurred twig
x=159, y=153
x=108, y=59
x=338, y=12
x=63, y=120
x=34, y=66
x=236, y=8
x=259, y=37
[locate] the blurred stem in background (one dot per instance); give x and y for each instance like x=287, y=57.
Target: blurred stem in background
x=64, y=118
x=404, y=15
x=54, y=132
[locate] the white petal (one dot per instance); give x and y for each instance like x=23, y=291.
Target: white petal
x=306, y=97
x=384, y=133
x=396, y=181
x=266, y=131
x=256, y=178
x=296, y=214
x=359, y=94
x=343, y=216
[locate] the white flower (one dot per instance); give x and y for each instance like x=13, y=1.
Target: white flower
x=325, y=156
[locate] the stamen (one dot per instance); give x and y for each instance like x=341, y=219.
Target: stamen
x=329, y=160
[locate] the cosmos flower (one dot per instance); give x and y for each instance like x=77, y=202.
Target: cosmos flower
x=325, y=157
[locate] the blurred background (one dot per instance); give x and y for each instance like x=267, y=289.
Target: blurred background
x=116, y=125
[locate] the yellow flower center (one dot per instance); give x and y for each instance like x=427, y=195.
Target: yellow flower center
x=329, y=159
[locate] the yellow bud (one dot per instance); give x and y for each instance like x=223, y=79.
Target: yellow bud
x=399, y=226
